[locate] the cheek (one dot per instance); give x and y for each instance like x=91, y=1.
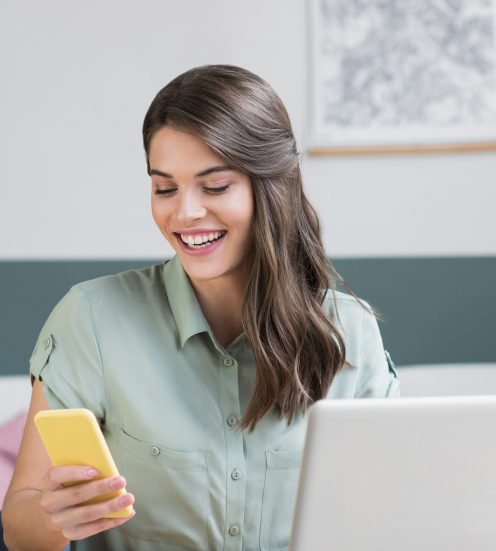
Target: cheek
x=160, y=211
x=156, y=214
x=240, y=212
x=161, y=215
x=240, y=218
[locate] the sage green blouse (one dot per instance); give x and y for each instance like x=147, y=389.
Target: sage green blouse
x=137, y=351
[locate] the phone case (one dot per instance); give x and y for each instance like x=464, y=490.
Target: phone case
x=73, y=437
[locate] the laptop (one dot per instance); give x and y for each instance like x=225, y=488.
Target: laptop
x=403, y=474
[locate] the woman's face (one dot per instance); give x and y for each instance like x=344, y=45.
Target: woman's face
x=202, y=207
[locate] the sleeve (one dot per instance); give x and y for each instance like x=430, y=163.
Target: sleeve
x=67, y=357
x=377, y=377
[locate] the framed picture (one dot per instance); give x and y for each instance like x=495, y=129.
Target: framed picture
x=402, y=75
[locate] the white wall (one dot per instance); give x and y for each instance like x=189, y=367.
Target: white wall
x=77, y=78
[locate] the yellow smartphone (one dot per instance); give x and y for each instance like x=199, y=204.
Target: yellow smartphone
x=73, y=437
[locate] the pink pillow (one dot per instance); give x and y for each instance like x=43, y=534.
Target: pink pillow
x=10, y=442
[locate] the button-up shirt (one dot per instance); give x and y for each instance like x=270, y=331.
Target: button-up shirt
x=136, y=350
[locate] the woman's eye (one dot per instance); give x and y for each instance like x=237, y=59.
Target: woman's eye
x=164, y=191
x=217, y=189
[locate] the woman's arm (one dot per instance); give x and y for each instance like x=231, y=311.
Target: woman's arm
x=22, y=501
x=39, y=513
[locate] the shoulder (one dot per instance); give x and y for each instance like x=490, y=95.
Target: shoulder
x=343, y=299
x=119, y=294
x=348, y=315
x=371, y=373
x=355, y=322
x=82, y=306
x=130, y=282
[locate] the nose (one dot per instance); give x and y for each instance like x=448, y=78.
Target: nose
x=189, y=207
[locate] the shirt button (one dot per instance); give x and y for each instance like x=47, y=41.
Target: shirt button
x=47, y=342
x=154, y=450
x=235, y=475
x=231, y=420
x=234, y=530
x=228, y=362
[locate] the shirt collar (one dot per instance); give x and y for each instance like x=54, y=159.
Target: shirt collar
x=183, y=302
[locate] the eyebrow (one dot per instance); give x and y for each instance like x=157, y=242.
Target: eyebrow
x=199, y=175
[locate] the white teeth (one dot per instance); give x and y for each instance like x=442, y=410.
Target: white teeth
x=201, y=241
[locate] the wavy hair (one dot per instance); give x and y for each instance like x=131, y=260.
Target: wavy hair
x=297, y=348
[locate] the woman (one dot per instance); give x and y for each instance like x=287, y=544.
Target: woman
x=200, y=370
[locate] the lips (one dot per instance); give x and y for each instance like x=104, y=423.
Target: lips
x=200, y=248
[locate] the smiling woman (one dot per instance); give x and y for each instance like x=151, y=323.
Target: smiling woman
x=201, y=369
x=195, y=196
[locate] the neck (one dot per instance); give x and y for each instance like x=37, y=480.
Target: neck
x=221, y=301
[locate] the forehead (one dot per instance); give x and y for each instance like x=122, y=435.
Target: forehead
x=181, y=154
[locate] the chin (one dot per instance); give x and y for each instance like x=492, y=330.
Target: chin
x=204, y=273
x=201, y=269
x=207, y=270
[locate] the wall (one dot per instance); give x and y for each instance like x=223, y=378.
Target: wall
x=77, y=79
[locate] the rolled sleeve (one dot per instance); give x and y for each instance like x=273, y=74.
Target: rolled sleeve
x=377, y=377
x=67, y=358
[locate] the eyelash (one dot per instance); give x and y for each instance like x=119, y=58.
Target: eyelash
x=214, y=191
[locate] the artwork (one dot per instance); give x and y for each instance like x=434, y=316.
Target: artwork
x=404, y=74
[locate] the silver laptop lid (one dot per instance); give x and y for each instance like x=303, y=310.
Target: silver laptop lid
x=398, y=474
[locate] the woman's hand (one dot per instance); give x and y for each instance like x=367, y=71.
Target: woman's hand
x=61, y=503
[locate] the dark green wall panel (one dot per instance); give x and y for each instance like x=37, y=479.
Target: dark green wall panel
x=437, y=310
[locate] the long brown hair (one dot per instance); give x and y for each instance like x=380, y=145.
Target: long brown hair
x=297, y=348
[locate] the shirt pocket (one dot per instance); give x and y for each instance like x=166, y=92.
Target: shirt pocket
x=171, y=489
x=279, y=496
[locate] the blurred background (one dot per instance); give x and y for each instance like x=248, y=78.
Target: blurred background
x=413, y=234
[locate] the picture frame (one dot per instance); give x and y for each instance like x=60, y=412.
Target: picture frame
x=401, y=76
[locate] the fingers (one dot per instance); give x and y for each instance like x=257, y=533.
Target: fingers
x=77, y=519
x=72, y=495
x=81, y=531
x=62, y=503
x=56, y=476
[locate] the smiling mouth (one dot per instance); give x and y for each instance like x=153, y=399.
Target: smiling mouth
x=201, y=241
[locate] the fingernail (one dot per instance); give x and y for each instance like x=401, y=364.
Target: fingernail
x=90, y=473
x=127, y=500
x=118, y=482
